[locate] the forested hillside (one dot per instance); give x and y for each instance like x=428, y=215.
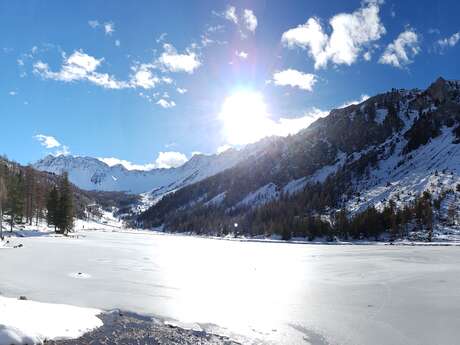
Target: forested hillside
x=27, y=195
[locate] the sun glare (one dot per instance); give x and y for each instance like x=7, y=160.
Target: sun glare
x=244, y=118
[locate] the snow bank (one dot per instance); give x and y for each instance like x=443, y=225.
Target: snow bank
x=28, y=322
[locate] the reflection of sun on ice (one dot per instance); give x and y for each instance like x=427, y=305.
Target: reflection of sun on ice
x=245, y=118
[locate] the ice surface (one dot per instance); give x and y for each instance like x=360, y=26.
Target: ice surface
x=275, y=292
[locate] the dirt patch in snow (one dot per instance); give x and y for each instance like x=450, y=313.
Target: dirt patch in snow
x=128, y=328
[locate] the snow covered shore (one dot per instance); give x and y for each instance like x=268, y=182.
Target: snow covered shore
x=440, y=239
x=29, y=322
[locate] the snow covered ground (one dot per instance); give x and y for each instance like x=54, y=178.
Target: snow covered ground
x=106, y=222
x=275, y=293
x=28, y=322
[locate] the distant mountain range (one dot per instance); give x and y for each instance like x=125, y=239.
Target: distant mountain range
x=92, y=174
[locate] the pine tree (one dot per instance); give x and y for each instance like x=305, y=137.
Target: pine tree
x=341, y=223
x=40, y=202
x=429, y=221
x=3, y=193
x=65, y=207
x=15, y=198
x=427, y=214
x=52, y=207
x=30, y=187
x=452, y=214
x=285, y=233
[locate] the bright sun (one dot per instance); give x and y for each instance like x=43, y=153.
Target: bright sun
x=245, y=118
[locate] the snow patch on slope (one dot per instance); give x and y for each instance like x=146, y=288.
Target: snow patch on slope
x=217, y=200
x=295, y=186
x=261, y=196
x=321, y=174
x=380, y=115
x=434, y=167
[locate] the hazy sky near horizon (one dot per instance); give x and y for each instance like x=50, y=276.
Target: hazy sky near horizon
x=150, y=83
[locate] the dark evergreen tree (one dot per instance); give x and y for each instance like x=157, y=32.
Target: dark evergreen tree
x=52, y=203
x=65, y=211
x=3, y=194
x=341, y=224
x=15, y=198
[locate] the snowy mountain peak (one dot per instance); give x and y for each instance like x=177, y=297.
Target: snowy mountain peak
x=92, y=174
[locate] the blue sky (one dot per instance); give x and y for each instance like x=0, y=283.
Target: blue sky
x=152, y=82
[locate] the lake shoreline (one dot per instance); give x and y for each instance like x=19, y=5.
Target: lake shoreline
x=257, y=239
x=121, y=327
x=404, y=242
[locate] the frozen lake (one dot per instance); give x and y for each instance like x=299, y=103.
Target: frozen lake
x=272, y=292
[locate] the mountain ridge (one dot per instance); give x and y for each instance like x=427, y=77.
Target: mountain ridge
x=354, y=158
x=90, y=173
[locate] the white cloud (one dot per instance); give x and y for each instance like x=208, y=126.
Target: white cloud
x=47, y=141
x=12, y=93
x=165, y=160
x=93, y=23
x=181, y=90
x=165, y=103
x=171, y=60
x=143, y=77
x=367, y=56
x=106, y=81
x=62, y=151
x=109, y=28
x=246, y=21
x=351, y=32
x=290, y=126
x=206, y=41
x=294, y=78
x=356, y=101
x=215, y=28
x=112, y=161
x=172, y=144
x=400, y=52
x=449, y=41
x=79, y=66
x=161, y=38
x=241, y=54
x=208, y=37
x=250, y=20
x=223, y=148
x=50, y=142
x=170, y=159
x=230, y=14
